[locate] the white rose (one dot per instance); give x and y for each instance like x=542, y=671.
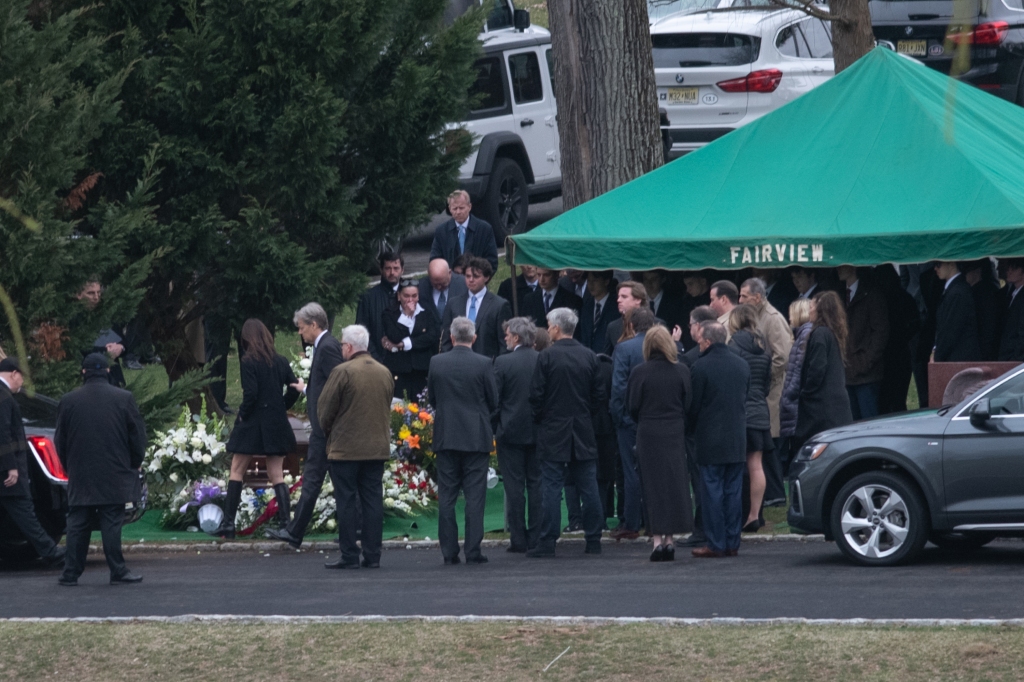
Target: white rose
x=201, y=428
x=174, y=477
x=305, y=363
x=196, y=442
x=331, y=524
x=207, y=459
x=155, y=466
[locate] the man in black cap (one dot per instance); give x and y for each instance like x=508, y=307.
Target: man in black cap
x=15, y=491
x=101, y=440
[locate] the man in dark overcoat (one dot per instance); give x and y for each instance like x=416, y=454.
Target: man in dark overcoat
x=566, y=395
x=461, y=389
x=101, y=441
x=377, y=299
x=956, y=321
x=720, y=379
x=486, y=310
x=311, y=319
x=517, y=451
x=439, y=287
x=1011, y=345
x=464, y=234
x=16, y=491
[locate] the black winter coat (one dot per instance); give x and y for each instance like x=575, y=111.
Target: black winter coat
x=989, y=309
x=13, y=446
x=956, y=325
x=370, y=314
x=759, y=360
x=565, y=394
x=720, y=379
x=425, y=339
x=101, y=441
x=262, y=427
x=1011, y=347
x=513, y=374
x=824, y=402
x=790, y=401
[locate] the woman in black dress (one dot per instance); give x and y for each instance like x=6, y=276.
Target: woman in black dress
x=659, y=395
x=824, y=402
x=750, y=345
x=261, y=427
x=411, y=337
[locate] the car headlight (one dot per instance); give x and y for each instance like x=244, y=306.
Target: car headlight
x=811, y=451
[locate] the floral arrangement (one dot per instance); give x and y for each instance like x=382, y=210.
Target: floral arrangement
x=191, y=451
x=408, y=489
x=184, y=508
x=260, y=505
x=412, y=433
x=301, y=365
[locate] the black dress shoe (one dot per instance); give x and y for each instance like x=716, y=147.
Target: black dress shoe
x=283, y=535
x=67, y=582
x=752, y=527
x=341, y=563
x=125, y=579
x=477, y=560
x=658, y=554
x=593, y=548
x=366, y=563
x=538, y=553
x=225, y=530
x=668, y=553
x=516, y=550
x=57, y=558
x=451, y=561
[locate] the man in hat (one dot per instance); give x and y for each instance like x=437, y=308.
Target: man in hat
x=15, y=491
x=101, y=440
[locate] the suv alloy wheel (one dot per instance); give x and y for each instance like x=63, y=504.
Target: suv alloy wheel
x=507, y=201
x=879, y=519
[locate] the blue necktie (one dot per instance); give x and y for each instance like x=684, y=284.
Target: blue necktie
x=462, y=239
x=442, y=300
x=472, y=309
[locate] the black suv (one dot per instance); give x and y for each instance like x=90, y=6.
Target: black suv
x=990, y=34
x=884, y=487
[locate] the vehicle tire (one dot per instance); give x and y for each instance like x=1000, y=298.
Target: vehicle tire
x=961, y=542
x=507, y=201
x=879, y=519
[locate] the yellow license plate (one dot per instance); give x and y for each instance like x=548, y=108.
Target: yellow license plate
x=682, y=95
x=914, y=48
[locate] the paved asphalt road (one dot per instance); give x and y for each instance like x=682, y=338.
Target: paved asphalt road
x=767, y=580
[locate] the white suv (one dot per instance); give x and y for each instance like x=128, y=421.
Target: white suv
x=514, y=127
x=720, y=69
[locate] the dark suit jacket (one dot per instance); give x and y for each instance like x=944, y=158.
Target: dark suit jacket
x=513, y=373
x=101, y=441
x=462, y=392
x=326, y=357
x=956, y=325
x=13, y=446
x=479, y=241
x=594, y=336
x=370, y=314
x=989, y=308
x=534, y=304
x=672, y=310
x=719, y=379
x=490, y=337
x=425, y=338
x=262, y=426
x=456, y=287
x=783, y=293
x=1011, y=347
x=522, y=291
x=566, y=394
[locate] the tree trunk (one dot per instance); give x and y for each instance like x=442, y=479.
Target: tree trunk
x=851, y=31
x=608, y=123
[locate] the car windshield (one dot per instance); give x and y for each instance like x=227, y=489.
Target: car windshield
x=656, y=9
x=675, y=50
x=39, y=411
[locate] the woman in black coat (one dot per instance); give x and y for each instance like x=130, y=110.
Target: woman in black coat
x=748, y=343
x=824, y=402
x=411, y=337
x=658, y=395
x=269, y=388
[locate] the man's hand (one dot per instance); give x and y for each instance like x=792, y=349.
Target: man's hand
x=115, y=350
x=677, y=333
x=299, y=386
x=12, y=478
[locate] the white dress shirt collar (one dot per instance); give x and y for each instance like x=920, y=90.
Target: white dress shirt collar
x=316, y=342
x=950, y=281
x=479, y=296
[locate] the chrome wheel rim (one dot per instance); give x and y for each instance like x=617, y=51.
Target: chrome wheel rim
x=510, y=194
x=875, y=521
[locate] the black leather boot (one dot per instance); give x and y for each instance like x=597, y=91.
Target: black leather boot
x=227, y=526
x=284, y=513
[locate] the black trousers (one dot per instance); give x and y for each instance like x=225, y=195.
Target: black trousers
x=774, y=488
x=313, y=472
x=694, y=471
x=520, y=475
x=465, y=471
x=22, y=512
x=357, y=485
x=80, y=521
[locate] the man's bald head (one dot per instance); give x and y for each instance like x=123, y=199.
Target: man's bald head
x=439, y=273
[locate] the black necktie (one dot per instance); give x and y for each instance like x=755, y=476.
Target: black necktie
x=547, y=302
x=597, y=313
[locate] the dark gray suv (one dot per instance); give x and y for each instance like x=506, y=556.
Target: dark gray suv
x=883, y=488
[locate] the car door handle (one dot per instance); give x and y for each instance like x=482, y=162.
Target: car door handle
x=526, y=122
x=817, y=69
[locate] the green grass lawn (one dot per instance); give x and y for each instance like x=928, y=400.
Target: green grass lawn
x=422, y=652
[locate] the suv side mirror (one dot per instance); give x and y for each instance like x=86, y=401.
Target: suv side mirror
x=521, y=19
x=980, y=412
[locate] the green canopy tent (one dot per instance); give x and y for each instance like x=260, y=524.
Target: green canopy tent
x=889, y=161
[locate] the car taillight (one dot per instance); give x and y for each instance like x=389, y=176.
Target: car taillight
x=756, y=81
x=48, y=455
x=989, y=33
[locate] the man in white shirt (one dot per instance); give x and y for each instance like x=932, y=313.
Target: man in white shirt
x=439, y=287
x=488, y=311
x=805, y=281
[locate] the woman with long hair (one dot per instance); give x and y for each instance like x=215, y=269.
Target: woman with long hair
x=658, y=396
x=269, y=388
x=750, y=345
x=824, y=403
x=800, y=323
x=411, y=338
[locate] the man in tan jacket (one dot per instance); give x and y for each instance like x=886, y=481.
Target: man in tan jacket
x=355, y=415
x=776, y=331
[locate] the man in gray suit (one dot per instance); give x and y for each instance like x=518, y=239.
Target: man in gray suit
x=488, y=311
x=461, y=389
x=517, y=454
x=565, y=395
x=440, y=286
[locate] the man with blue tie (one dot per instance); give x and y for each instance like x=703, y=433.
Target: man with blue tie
x=488, y=311
x=464, y=234
x=439, y=286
